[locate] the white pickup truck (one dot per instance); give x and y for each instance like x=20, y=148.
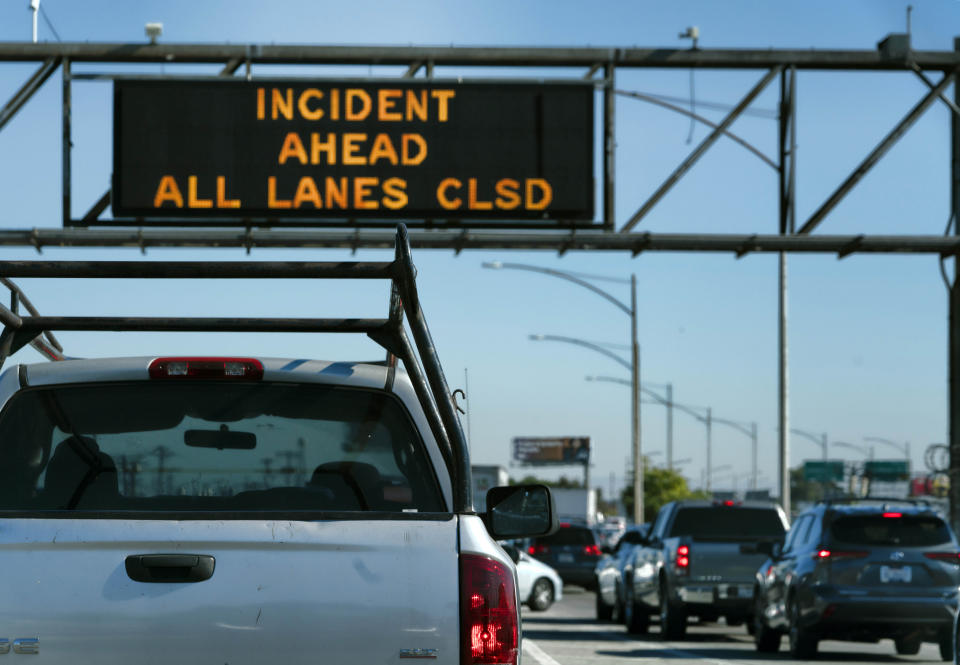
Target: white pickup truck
x=247, y=510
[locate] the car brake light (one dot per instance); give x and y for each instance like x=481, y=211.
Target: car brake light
x=538, y=549
x=832, y=555
x=489, y=627
x=894, y=515
x=249, y=369
x=592, y=550
x=683, y=556
x=952, y=557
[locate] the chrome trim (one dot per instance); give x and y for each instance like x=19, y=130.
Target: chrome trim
x=419, y=653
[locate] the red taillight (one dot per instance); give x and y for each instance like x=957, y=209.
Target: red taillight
x=952, y=557
x=489, y=625
x=894, y=515
x=592, y=550
x=832, y=555
x=538, y=549
x=249, y=369
x=683, y=556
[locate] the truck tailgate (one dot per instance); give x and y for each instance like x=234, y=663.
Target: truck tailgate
x=344, y=591
x=723, y=562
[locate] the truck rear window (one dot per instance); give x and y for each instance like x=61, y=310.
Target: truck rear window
x=212, y=446
x=727, y=523
x=905, y=531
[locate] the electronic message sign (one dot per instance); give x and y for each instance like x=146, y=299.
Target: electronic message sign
x=236, y=149
x=539, y=450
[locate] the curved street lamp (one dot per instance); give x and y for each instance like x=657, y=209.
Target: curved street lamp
x=866, y=450
x=902, y=447
x=819, y=440
x=634, y=365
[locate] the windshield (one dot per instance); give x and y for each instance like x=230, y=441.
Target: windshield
x=908, y=530
x=728, y=523
x=212, y=446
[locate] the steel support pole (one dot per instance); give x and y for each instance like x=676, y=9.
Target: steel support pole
x=67, y=143
x=825, y=444
x=609, y=148
x=709, y=447
x=753, y=444
x=787, y=141
x=635, y=410
x=953, y=352
x=669, y=406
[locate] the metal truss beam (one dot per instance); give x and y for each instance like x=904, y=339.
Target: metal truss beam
x=481, y=56
x=635, y=243
x=23, y=95
x=699, y=150
x=874, y=157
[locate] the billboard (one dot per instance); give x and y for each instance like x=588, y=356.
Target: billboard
x=233, y=149
x=542, y=451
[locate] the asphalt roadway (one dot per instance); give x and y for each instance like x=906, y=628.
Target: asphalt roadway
x=569, y=634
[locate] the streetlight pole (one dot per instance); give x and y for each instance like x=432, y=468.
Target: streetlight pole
x=819, y=440
x=638, y=517
x=657, y=399
x=752, y=433
x=634, y=366
x=903, y=448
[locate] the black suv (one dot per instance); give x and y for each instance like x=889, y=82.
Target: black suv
x=860, y=571
x=573, y=551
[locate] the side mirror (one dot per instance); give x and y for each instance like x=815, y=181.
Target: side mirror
x=520, y=511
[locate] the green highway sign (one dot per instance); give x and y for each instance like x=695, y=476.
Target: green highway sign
x=821, y=470
x=887, y=469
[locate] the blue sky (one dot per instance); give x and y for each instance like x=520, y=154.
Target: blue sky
x=867, y=334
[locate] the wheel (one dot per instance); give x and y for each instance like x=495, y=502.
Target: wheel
x=907, y=646
x=635, y=618
x=946, y=644
x=604, y=611
x=541, y=596
x=765, y=638
x=803, y=644
x=673, y=619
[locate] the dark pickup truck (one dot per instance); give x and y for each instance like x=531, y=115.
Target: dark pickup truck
x=699, y=560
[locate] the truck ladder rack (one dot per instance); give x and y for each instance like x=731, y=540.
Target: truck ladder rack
x=420, y=358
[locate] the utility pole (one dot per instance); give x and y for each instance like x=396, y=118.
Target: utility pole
x=953, y=351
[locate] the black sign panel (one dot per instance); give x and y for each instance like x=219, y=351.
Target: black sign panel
x=346, y=149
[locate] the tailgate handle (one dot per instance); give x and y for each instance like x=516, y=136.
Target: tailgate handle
x=170, y=568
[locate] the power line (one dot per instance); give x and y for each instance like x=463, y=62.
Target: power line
x=46, y=19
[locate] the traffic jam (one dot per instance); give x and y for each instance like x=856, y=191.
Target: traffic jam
x=860, y=580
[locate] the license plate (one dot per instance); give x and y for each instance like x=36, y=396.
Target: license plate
x=895, y=574
x=564, y=558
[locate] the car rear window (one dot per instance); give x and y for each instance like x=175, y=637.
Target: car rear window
x=212, y=446
x=727, y=523
x=905, y=531
x=569, y=536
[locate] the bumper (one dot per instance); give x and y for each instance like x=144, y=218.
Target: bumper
x=719, y=595
x=836, y=613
